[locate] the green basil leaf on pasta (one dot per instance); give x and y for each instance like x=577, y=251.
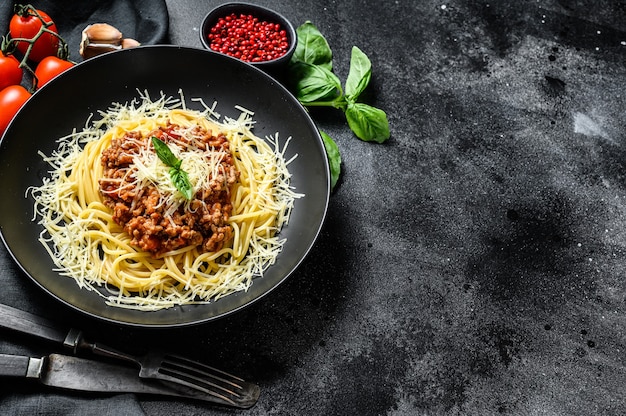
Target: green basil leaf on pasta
x=165, y=154
x=179, y=177
x=181, y=182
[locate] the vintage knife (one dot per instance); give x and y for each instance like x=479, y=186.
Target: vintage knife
x=176, y=372
x=30, y=324
x=79, y=374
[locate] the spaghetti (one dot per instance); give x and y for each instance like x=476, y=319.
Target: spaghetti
x=88, y=243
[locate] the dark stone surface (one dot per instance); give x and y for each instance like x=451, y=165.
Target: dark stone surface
x=473, y=264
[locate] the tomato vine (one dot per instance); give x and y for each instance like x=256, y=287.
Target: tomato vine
x=33, y=34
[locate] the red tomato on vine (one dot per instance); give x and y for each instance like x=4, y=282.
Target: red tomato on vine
x=11, y=100
x=50, y=67
x=10, y=71
x=26, y=24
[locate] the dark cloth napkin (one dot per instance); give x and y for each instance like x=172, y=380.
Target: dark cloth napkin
x=146, y=21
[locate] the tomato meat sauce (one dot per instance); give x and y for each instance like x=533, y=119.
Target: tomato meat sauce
x=248, y=38
x=201, y=222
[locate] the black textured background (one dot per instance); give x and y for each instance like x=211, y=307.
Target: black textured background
x=471, y=265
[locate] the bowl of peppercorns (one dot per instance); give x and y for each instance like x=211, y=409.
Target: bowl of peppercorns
x=253, y=34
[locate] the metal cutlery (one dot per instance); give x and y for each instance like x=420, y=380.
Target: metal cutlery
x=176, y=371
x=79, y=374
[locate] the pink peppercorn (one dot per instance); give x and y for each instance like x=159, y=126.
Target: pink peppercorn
x=247, y=38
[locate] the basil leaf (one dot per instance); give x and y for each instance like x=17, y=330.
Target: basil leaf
x=165, y=154
x=316, y=83
x=334, y=158
x=367, y=122
x=179, y=177
x=181, y=182
x=359, y=75
x=312, y=48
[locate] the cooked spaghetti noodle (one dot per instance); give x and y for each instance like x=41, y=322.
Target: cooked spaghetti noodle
x=87, y=243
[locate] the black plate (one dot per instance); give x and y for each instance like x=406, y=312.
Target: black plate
x=66, y=103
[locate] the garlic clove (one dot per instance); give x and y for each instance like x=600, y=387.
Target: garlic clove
x=99, y=38
x=92, y=50
x=102, y=33
x=128, y=43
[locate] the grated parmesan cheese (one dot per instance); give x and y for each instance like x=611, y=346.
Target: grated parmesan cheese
x=89, y=247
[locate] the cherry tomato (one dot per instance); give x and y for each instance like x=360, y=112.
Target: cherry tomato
x=10, y=71
x=11, y=100
x=50, y=67
x=26, y=24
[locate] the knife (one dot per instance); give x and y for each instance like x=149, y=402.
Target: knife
x=28, y=323
x=180, y=374
x=80, y=374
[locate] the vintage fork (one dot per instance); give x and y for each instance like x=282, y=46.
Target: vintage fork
x=175, y=371
x=227, y=388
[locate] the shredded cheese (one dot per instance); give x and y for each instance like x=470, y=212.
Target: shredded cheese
x=88, y=246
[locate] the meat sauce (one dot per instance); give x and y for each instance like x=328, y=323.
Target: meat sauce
x=201, y=222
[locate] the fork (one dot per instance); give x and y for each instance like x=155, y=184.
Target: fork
x=224, y=387
x=177, y=372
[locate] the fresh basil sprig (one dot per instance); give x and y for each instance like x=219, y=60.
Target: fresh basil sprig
x=316, y=85
x=179, y=177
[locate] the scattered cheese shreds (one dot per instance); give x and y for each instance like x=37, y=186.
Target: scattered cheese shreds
x=79, y=240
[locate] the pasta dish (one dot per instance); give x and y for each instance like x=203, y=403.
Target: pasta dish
x=162, y=205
